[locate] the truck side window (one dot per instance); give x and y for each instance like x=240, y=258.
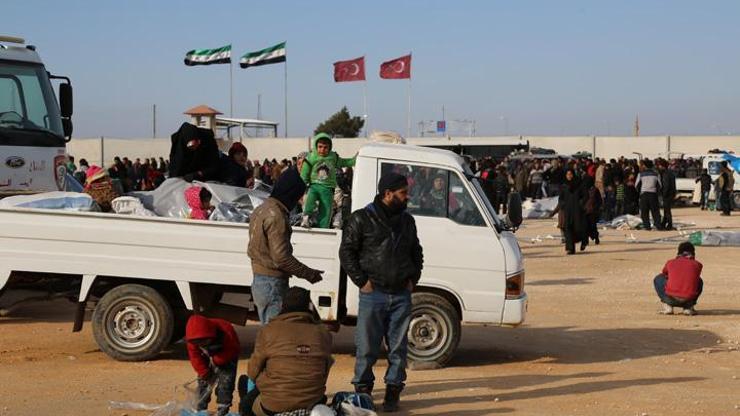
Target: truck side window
x=462, y=207
x=428, y=190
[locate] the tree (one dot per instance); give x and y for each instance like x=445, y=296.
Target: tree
x=341, y=124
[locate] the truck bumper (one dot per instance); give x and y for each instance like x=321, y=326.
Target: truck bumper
x=514, y=311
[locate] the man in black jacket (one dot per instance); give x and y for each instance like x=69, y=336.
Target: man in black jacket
x=668, y=193
x=381, y=253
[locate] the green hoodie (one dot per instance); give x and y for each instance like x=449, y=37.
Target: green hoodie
x=322, y=170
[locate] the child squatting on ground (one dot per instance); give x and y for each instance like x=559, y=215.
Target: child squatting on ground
x=319, y=171
x=213, y=349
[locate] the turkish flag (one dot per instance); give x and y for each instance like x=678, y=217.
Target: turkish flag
x=352, y=70
x=398, y=68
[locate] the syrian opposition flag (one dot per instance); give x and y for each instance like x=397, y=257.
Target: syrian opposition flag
x=352, y=70
x=221, y=55
x=399, y=68
x=266, y=56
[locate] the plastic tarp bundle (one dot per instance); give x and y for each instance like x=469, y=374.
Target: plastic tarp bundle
x=541, y=208
x=68, y=201
x=129, y=205
x=715, y=238
x=168, y=200
x=626, y=222
x=71, y=184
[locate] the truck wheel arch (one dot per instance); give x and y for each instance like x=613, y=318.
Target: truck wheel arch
x=449, y=295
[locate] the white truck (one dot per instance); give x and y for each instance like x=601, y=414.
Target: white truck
x=33, y=126
x=142, y=276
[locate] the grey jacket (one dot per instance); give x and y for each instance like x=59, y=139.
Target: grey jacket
x=648, y=182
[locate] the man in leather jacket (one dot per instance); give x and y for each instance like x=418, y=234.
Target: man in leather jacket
x=381, y=253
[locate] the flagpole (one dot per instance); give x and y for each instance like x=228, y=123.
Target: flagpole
x=364, y=104
x=231, y=90
x=285, y=88
x=408, y=113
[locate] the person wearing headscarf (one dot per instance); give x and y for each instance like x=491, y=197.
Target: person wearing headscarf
x=572, y=217
x=100, y=187
x=233, y=169
x=194, y=154
x=592, y=208
x=270, y=249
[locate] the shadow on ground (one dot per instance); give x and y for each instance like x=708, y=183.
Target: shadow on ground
x=507, y=383
x=575, y=346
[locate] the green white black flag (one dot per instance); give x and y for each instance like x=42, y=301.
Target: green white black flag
x=266, y=56
x=221, y=55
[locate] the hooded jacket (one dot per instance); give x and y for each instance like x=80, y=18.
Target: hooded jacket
x=290, y=363
x=322, y=170
x=200, y=164
x=222, y=351
x=192, y=197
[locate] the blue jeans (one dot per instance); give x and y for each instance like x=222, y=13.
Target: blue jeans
x=382, y=315
x=268, y=293
x=660, y=282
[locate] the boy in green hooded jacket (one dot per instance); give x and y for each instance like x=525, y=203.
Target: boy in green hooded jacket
x=319, y=171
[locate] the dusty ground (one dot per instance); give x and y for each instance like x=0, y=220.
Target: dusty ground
x=592, y=345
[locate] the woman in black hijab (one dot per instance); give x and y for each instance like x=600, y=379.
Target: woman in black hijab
x=573, y=217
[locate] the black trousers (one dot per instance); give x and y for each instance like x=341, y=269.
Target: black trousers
x=648, y=206
x=724, y=198
x=667, y=214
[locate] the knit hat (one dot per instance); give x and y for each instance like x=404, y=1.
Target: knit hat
x=391, y=182
x=297, y=299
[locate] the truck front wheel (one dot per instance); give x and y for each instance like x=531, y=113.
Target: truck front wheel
x=434, y=329
x=132, y=323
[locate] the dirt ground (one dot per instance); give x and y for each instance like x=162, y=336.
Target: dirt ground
x=592, y=344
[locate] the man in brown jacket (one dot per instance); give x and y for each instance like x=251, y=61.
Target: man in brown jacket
x=270, y=250
x=291, y=360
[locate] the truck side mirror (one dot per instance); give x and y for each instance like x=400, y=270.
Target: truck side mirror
x=65, y=101
x=514, y=210
x=67, y=127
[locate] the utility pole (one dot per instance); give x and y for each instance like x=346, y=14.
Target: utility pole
x=154, y=121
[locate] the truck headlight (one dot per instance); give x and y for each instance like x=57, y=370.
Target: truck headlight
x=515, y=286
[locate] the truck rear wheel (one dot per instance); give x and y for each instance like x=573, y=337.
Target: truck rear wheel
x=434, y=330
x=132, y=323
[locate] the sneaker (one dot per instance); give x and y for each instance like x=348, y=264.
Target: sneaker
x=392, y=398
x=689, y=311
x=666, y=309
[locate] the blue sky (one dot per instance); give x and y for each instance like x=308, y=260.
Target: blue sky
x=542, y=67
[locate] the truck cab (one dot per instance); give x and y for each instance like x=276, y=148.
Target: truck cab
x=33, y=126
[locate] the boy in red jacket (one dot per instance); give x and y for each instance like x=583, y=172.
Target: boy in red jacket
x=213, y=348
x=680, y=284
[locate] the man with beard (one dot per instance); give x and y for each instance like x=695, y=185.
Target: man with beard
x=381, y=253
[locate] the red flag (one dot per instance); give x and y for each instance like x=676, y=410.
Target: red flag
x=398, y=68
x=352, y=70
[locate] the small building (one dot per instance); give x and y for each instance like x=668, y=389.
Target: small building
x=203, y=116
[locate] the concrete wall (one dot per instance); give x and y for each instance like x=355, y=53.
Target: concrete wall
x=261, y=148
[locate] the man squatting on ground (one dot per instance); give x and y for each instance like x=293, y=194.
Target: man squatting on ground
x=291, y=360
x=213, y=349
x=381, y=253
x=680, y=284
x=270, y=250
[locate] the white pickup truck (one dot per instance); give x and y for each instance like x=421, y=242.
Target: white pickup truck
x=144, y=275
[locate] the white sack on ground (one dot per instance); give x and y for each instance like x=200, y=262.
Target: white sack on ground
x=541, y=208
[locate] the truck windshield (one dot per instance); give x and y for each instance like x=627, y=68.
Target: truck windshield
x=27, y=101
x=482, y=196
